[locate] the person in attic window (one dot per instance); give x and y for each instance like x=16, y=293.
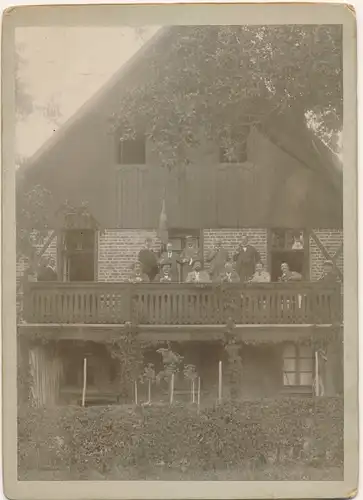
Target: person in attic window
x=298, y=242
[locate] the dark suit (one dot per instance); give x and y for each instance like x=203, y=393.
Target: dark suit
x=246, y=259
x=149, y=263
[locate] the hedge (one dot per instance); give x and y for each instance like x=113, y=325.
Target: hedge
x=218, y=438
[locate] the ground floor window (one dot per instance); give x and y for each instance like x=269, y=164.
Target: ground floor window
x=297, y=365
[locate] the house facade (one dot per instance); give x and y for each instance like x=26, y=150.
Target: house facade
x=289, y=334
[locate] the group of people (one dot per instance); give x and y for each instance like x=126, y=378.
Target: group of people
x=188, y=265
x=244, y=266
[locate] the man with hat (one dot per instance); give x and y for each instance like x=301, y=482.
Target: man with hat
x=188, y=257
x=137, y=275
x=329, y=275
x=165, y=275
x=171, y=258
x=229, y=275
x=198, y=275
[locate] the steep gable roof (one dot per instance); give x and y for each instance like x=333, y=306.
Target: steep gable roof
x=118, y=81
x=282, y=128
x=291, y=134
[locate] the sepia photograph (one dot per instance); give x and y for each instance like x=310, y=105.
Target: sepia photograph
x=179, y=269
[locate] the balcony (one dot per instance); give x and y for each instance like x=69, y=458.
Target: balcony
x=156, y=304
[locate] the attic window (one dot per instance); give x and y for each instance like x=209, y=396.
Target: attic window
x=233, y=145
x=237, y=154
x=131, y=151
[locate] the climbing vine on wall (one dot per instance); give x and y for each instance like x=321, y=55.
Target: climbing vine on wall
x=128, y=350
x=234, y=360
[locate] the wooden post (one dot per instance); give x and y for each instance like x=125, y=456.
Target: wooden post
x=135, y=392
x=317, y=373
x=193, y=391
x=149, y=391
x=172, y=389
x=198, y=392
x=220, y=382
x=84, y=381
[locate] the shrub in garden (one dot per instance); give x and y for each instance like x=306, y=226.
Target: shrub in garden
x=216, y=438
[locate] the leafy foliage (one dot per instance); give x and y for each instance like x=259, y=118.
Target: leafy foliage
x=128, y=350
x=171, y=362
x=33, y=222
x=148, y=376
x=230, y=78
x=107, y=439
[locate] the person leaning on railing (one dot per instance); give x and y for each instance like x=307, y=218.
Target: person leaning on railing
x=229, y=275
x=260, y=275
x=288, y=275
x=137, y=276
x=188, y=257
x=169, y=257
x=165, y=275
x=198, y=275
x=329, y=275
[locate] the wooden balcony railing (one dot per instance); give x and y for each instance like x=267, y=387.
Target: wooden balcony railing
x=181, y=304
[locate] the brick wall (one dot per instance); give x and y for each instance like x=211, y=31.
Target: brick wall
x=232, y=237
x=118, y=250
x=331, y=239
